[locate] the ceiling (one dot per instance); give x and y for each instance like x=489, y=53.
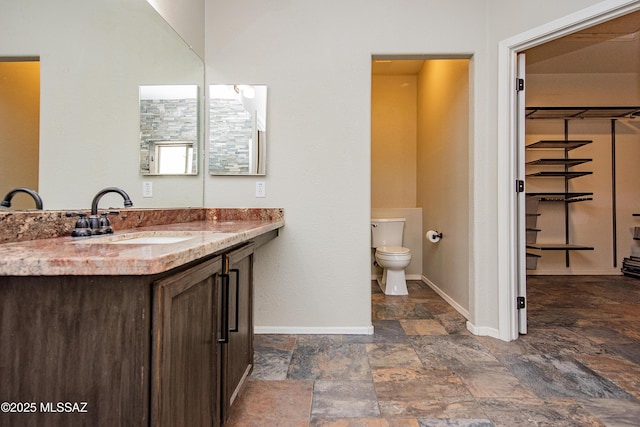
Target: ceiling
x=396, y=67
x=610, y=47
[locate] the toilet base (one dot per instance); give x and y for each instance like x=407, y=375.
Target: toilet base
x=393, y=282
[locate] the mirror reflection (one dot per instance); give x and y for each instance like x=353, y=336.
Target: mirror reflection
x=168, y=129
x=19, y=126
x=237, y=129
x=84, y=133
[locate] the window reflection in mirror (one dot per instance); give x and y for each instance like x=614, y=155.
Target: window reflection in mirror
x=237, y=129
x=168, y=129
x=171, y=158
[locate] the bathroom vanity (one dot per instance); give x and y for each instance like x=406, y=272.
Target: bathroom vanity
x=145, y=327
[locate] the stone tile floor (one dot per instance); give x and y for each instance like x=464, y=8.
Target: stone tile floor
x=579, y=365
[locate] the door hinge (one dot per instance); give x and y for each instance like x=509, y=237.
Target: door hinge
x=519, y=85
x=519, y=186
x=521, y=303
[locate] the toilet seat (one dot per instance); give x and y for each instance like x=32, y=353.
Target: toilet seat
x=393, y=250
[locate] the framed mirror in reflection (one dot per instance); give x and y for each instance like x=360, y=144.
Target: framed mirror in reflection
x=237, y=129
x=169, y=130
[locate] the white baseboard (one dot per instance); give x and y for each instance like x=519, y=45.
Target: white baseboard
x=447, y=298
x=319, y=330
x=483, y=331
x=368, y=330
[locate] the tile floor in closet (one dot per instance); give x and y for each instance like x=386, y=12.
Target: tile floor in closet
x=578, y=366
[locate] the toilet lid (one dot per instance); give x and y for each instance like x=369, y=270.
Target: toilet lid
x=393, y=250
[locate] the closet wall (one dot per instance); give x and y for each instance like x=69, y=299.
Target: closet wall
x=590, y=222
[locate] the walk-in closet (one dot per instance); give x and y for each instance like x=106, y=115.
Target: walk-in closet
x=582, y=153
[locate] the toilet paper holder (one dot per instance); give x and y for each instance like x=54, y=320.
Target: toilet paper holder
x=434, y=236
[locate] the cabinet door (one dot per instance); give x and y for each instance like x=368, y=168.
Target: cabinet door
x=78, y=339
x=237, y=354
x=184, y=365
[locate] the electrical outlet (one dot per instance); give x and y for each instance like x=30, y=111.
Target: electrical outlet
x=260, y=189
x=147, y=189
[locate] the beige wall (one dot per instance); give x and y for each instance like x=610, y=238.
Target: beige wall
x=19, y=129
x=443, y=175
x=393, y=141
x=591, y=222
x=315, y=57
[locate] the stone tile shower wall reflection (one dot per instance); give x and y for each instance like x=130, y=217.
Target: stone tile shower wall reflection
x=237, y=129
x=231, y=135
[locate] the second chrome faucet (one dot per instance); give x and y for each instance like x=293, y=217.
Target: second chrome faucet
x=95, y=224
x=6, y=202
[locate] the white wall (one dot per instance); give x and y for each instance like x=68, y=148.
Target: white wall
x=93, y=56
x=187, y=18
x=315, y=56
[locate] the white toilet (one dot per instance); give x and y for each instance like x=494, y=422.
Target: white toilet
x=386, y=238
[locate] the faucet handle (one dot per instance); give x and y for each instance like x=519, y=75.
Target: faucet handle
x=82, y=221
x=104, y=223
x=82, y=228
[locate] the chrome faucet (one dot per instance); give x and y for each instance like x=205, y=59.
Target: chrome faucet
x=102, y=225
x=95, y=225
x=94, y=205
x=7, y=199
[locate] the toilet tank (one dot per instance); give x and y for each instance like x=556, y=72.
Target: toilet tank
x=386, y=231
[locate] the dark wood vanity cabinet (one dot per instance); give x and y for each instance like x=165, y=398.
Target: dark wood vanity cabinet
x=131, y=350
x=237, y=353
x=184, y=367
x=75, y=350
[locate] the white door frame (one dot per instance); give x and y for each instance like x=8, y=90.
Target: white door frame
x=508, y=251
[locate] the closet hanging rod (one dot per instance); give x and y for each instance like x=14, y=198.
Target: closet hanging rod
x=582, y=112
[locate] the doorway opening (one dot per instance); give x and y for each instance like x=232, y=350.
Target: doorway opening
x=19, y=127
x=420, y=143
x=551, y=49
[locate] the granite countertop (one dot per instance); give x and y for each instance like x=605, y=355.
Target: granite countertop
x=97, y=256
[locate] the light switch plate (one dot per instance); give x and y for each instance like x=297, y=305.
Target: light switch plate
x=260, y=189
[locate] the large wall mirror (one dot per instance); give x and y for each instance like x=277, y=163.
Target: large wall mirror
x=93, y=57
x=237, y=129
x=169, y=129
